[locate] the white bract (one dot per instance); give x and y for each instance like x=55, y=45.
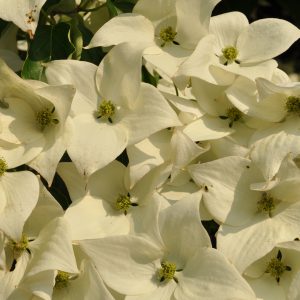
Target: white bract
x=112, y=106
x=236, y=47
x=181, y=265
x=35, y=128
x=167, y=31
x=24, y=13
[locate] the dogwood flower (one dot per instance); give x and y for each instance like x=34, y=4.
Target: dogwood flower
x=107, y=205
x=254, y=215
x=178, y=266
x=35, y=128
x=167, y=30
x=115, y=115
x=275, y=276
x=236, y=47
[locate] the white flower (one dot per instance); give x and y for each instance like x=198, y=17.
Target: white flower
x=276, y=275
x=105, y=206
x=116, y=109
x=236, y=47
x=35, y=128
x=167, y=31
x=181, y=265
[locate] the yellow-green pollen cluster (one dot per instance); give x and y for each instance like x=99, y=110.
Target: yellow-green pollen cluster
x=106, y=109
x=3, y=166
x=234, y=114
x=45, y=117
x=167, y=35
x=266, y=203
x=276, y=267
x=230, y=53
x=167, y=271
x=62, y=279
x=20, y=246
x=123, y=203
x=293, y=104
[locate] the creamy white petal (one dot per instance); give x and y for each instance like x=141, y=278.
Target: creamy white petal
x=152, y=113
x=108, y=183
x=175, y=222
x=227, y=28
x=46, y=209
x=156, y=9
x=121, y=74
x=228, y=198
x=124, y=28
x=46, y=162
x=207, y=128
x=52, y=250
x=243, y=95
x=147, y=154
x=209, y=275
x=91, y=218
x=265, y=39
x=280, y=140
x=198, y=64
x=103, y=144
x=193, y=18
x=80, y=74
x=24, y=13
x=21, y=190
x=164, y=292
x=76, y=183
x=184, y=151
x=126, y=263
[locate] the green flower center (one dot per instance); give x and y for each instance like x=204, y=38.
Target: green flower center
x=233, y=115
x=276, y=267
x=167, y=35
x=293, y=104
x=167, y=271
x=62, y=279
x=266, y=203
x=106, y=109
x=3, y=166
x=45, y=117
x=123, y=203
x=20, y=246
x=230, y=53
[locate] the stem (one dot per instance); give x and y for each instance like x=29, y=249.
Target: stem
x=48, y=18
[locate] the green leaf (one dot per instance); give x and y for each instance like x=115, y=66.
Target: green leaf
x=3, y=24
x=149, y=78
x=93, y=55
x=62, y=48
x=112, y=9
x=40, y=47
x=49, y=43
x=125, y=7
x=32, y=69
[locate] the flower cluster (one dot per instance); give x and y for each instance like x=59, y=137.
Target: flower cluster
x=186, y=120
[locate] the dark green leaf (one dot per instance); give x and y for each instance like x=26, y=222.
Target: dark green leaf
x=32, y=69
x=61, y=45
x=40, y=46
x=112, y=9
x=49, y=43
x=3, y=24
x=149, y=78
